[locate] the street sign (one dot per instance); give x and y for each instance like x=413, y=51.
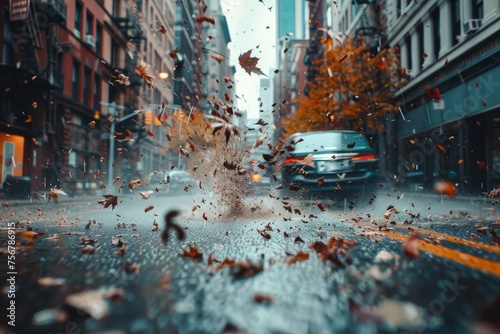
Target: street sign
x=18, y=9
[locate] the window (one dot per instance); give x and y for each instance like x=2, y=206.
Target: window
x=78, y=19
x=116, y=8
x=8, y=50
x=114, y=54
x=75, y=79
x=455, y=21
x=89, y=20
x=86, y=86
x=97, y=91
x=409, y=64
x=477, y=9
x=98, y=38
x=420, y=36
x=437, y=32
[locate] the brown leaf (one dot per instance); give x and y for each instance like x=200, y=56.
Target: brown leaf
x=411, y=247
x=441, y=149
x=192, y=253
x=245, y=269
x=343, y=57
x=260, y=298
x=205, y=18
x=249, y=64
x=321, y=207
x=494, y=237
x=109, y=200
x=298, y=239
x=294, y=187
x=169, y=223
x=162, y=28
x=149, y=208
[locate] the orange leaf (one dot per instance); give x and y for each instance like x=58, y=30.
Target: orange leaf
x=445, y=188
x=192, y=253
x=441, y=149
x=217, y=58
x=300, y=256
x=433, y=93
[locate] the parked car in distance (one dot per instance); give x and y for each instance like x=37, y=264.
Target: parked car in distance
x=172, y=183
x=329, y=163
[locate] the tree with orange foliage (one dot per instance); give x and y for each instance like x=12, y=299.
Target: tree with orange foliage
x=353, y=89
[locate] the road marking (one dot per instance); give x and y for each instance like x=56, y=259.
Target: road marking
x=463, y=258
x=475, y=244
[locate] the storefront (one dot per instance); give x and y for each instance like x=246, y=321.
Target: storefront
x=456, y=138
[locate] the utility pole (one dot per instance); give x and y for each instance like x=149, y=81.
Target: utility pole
x=112, y=108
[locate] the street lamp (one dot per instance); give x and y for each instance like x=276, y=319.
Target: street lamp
x=113, y=107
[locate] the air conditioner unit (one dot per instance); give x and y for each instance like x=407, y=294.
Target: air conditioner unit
x=90, y=40
x=472, y=25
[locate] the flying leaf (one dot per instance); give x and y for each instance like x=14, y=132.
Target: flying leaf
x=146, y=194
x=433, y=93
x=445, y=188
x=109, y=200
x=205, y=18
x=249, y=64
x=218, y=58
x=144, y=70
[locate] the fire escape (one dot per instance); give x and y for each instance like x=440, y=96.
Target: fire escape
x=30, y=38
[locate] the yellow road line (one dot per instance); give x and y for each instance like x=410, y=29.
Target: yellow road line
x=472, y=261
x=475, y=244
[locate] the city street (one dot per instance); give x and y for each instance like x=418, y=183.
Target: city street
x=347, y=269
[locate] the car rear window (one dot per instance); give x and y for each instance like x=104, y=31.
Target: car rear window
x=309, y=142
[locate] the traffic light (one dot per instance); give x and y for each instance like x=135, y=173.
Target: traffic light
x=148, y=117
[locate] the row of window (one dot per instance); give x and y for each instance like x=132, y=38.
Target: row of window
x=437, y=36
x=91, y=87
x=92, y=32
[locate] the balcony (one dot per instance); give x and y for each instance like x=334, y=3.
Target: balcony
x=55, y=9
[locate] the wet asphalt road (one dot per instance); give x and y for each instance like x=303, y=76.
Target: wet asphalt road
x=442, y=291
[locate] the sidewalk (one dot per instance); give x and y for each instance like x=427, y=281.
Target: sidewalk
x=429, y=194
x=45, y=201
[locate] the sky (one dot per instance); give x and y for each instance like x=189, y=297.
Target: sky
x=252, y=25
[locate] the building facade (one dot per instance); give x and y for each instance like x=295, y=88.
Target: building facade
x=450, y=126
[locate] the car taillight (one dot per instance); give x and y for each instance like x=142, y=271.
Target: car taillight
x=364, y=157
x=290, y=160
